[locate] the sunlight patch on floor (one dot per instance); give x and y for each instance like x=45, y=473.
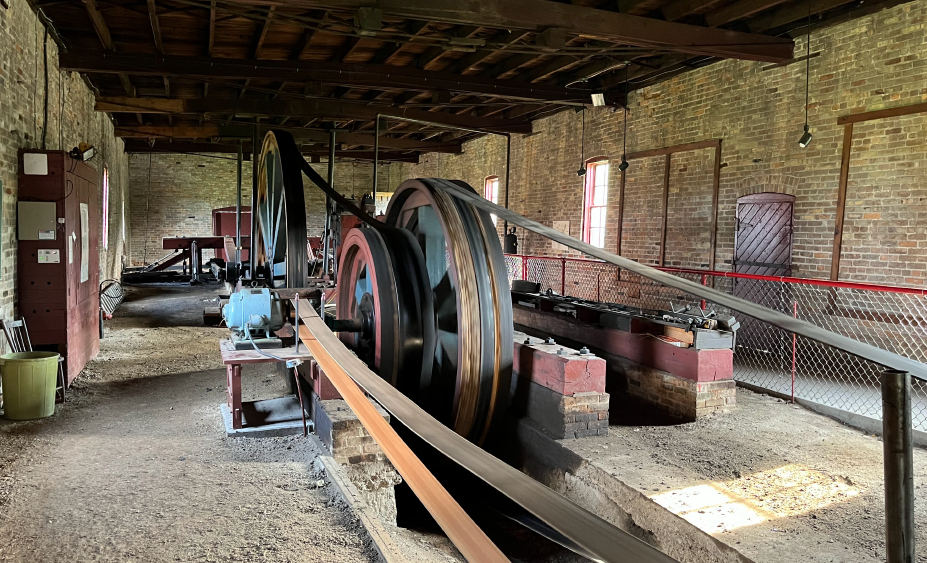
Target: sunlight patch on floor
x=789, y=490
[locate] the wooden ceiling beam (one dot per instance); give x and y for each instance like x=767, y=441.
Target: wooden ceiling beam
x=434, y=53
x=737, y=10
x=261, y=33
x=211, y=40
x=390, y=50
x=155, y=25
x=325, y=108
x=306, y=38
x=300, y=134
x=791, y=13
x=574, y=19
x=507, y=38
x=185, y=147
x=350, y=75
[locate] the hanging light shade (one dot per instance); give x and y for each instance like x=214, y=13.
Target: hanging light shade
x=582, y=150
x=806, y=136
x=624, y=139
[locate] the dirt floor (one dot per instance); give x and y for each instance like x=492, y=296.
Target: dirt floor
x=136, y=465
x=773, y=480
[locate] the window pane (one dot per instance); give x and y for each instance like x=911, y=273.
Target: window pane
x=597, y=237
x=597, y=218
x=599, y=195
x=601, y=174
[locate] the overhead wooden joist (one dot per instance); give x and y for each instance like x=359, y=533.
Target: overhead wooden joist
x=300, y=134
x=343, y=74
x=621, y=28
x=193, y=147
x=326, y=109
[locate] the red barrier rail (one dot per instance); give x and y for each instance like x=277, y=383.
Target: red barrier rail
x=716, y=273
x=890, y=317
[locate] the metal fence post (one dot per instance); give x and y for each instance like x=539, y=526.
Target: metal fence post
x=794, y=349
x=524, y=268
x=898, y=452
x=563, y=276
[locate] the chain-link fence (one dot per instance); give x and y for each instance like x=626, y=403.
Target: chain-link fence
x=768, y=357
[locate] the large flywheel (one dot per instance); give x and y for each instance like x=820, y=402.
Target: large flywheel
x=429, y=299
x=279, y=219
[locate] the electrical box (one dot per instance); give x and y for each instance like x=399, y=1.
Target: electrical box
x=37, y=220
x=49, y=256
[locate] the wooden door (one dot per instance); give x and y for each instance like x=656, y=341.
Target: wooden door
x=763, y=246
x=763, y=242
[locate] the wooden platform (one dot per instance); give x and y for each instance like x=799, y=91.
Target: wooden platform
x=234, y=359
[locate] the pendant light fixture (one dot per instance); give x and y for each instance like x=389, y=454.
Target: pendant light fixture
x=624, y=139
x=806, y=136
x=582, y=150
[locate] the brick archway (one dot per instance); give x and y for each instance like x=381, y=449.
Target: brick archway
x=767, y=183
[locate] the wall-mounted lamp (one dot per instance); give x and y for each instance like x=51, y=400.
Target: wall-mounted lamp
x=598, y=100
x=806, y=136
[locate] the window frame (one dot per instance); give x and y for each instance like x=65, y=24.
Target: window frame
x=589, y=185
x=493, y=197
x=105, y=208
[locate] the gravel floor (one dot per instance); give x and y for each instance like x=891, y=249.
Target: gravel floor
x=136, y=465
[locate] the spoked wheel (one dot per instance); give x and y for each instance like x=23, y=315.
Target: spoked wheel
x=465, y=268
x=278, y=220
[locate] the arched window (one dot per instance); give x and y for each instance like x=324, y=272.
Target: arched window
x=595, y=201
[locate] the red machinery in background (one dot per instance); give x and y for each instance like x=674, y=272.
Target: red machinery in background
x=59, y=261
x=223, y=225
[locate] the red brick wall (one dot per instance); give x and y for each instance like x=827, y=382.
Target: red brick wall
x=866, y=64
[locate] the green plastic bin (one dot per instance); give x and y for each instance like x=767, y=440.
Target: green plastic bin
x=29, y=382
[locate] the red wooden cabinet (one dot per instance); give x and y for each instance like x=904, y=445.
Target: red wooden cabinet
x=60, y=306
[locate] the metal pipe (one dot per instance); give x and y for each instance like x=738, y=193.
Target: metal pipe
x=254, y=177
x=376, y=160
x=898, y=448
x=508, y=174
x=238, y=211
x=326, y=235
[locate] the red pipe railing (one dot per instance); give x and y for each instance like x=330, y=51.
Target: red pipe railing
x=715, y=273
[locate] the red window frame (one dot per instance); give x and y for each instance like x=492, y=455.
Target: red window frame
x=596, y=173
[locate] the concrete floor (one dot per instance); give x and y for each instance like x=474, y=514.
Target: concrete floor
x=772, y=480
x=136, y=465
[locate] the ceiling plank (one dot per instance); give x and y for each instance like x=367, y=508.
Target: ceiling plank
x=679, y=9
x=390, y=50
x=261, y=34
x=212, y=29
x=737, y=10
x=621, y=28
x=323, y=108
x=155, y=25
x=344, y=74
x=306, y=38
x=507, y=38
x=345, y=50
x=433, y=54
x=790, y=13
x=99, y=25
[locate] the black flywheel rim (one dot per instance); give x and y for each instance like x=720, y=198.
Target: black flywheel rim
x=279, y=217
